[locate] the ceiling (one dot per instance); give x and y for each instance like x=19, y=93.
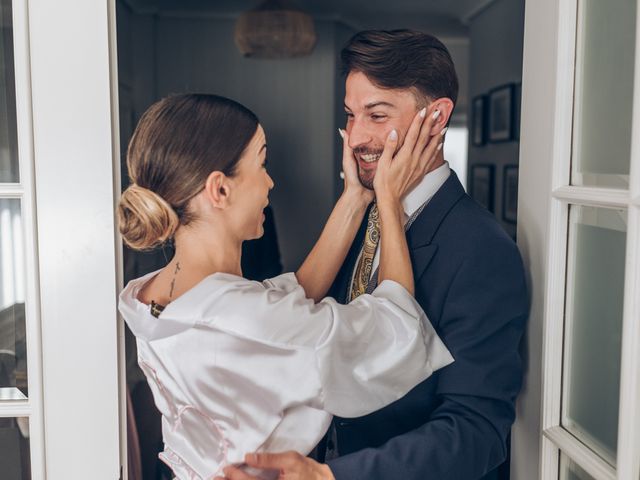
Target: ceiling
x=447, y=16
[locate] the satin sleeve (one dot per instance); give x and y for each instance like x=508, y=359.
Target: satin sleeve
x=381, y=346
x=368, y=353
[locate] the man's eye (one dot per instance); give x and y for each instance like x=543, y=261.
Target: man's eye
x=348, y=115
x=378, y=118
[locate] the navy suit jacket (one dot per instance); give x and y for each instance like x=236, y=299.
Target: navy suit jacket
x=470, y=281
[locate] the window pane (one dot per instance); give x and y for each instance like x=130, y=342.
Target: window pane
x=13, y=355
x=570, y=470
x=8, y=133
x=605, y=60
x=595, y=286
x=14, y=448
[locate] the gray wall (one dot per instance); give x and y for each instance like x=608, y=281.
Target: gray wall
x=496, y=40
x=294, y=99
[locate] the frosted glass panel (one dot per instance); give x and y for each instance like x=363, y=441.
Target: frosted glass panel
x=605, y=60
x=8, y=135
x=595, y=286
x=13, y=355
x=14, y=449
x=570, y=470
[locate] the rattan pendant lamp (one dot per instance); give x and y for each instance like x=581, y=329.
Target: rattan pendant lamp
x=275, y=29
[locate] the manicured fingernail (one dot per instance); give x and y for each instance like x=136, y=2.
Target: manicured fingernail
x=444, y=130
x=439, y=147
x=342, y=175
x=423, y=112
x=341, y=132
x=436, y=114
x=393, y=135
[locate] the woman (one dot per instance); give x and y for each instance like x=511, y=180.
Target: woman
x=237, y=366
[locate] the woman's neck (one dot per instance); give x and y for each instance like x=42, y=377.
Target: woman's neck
x=198, y=254
x=207, y=252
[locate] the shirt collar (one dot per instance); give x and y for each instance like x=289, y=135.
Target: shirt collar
x=426, y=189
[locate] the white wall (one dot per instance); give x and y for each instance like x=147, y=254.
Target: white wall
x=496, y=40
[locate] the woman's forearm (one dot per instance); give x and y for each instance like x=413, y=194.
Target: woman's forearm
x=395, y=261
x=321, y=266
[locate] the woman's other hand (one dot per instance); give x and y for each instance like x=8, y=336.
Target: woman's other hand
x=398, y=173
x=291, y=465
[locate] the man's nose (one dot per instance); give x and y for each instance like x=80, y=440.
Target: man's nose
x=358, y=135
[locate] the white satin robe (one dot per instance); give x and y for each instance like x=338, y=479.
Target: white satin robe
x=238, y=366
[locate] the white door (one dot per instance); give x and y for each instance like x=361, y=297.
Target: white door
x=59, y=407
x=579, y=231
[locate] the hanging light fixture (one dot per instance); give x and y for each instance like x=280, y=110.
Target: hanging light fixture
x=275, y=29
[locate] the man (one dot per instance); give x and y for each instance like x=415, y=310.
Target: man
x=469, y=280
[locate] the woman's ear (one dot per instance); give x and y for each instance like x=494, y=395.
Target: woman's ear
x=217, y=189
x=445, y=106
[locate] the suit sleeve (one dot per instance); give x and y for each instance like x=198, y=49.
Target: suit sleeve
x=465, y=437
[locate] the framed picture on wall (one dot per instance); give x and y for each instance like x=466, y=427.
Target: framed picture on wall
x=510, y=194
x=501, y=114
x=478, y=121
x=481, y=185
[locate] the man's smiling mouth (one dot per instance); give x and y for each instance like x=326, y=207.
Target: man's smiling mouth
x=370, y=157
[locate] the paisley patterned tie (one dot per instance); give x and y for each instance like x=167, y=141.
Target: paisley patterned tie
x=371, y=239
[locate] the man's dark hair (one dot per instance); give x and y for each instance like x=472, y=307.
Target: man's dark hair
x=402, y=59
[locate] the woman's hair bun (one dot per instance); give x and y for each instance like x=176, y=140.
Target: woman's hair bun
x=145, y=219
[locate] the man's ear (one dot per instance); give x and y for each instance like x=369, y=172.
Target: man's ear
x=445, y=105
x=217, y=189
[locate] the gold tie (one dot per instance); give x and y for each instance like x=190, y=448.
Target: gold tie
x=363, y=270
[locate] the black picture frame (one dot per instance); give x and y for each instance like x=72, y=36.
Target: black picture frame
x=481, y=185
x=479, y=121
x=510, y=194
x=501, y=114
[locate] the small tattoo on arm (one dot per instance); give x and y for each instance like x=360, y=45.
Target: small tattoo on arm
x=173, y=282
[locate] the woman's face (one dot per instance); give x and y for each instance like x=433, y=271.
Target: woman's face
x=252, y=188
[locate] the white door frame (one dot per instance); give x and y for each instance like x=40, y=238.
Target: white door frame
x=72, y=58
x=544, y=196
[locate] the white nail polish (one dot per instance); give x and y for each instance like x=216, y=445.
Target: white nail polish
x=393, y=135
x=423, y=112
x=436, y=114
x=342, y=175
x=341, y=133
x=444, y=130
x=439, y=147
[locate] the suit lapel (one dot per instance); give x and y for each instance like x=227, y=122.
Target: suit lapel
x=425, y=226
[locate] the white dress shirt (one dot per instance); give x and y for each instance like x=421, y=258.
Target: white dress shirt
x=238, y=366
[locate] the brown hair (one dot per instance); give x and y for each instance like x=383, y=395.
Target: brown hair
x=178, y=142
x=402, y=59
